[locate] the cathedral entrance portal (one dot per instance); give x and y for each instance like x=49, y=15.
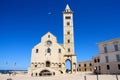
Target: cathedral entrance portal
x=45, y=73
x=68, y=66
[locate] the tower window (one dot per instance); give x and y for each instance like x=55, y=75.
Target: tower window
x=68, y=41
x=116, y=47
x=37, y=50
x=68, y=32
x=68, y=49
x=68, y=23
x=59, y=50
x=48, y=50
x=67, y=17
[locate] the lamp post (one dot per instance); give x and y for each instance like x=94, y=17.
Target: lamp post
x=95, y=71
x=116, y=76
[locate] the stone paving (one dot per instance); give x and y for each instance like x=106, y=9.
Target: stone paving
x=77, y=76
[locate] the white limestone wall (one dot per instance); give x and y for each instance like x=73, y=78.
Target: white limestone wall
x=109, y=44
x=42, y=55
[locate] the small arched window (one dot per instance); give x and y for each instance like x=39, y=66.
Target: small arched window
x=48, y=50
x=59, y=50
x=68, y=41
x=37, y=50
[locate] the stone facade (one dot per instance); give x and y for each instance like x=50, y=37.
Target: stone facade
x=86, y=66
x=49, y=57
x=109, y=56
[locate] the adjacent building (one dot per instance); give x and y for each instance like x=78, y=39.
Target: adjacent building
x=86, y=66
x=108, y=60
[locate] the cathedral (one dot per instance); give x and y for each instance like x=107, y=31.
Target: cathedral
x=49, y=57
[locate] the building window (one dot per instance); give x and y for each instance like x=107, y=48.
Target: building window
x=105, y=49
x=85, y=69
x=90, y=64
x=68, y=23
x=118, y=57
x=59, y=50
x=48, y=50
x=68, y=41
x=37, y=50
x=79, y=69
x=84, y=65
x=99, y=67
x=116, y=47
x=90, y=69
x=67, y=17
x=98, y=60
x=119, y=66
x=79, y=65
x=68, y=49
x=95, y=60
x=68, y=32
x=108, y=67
x=106, y=58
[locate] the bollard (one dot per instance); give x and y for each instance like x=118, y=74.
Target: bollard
x=116, y=77
x=85, y=77
x=97, y=76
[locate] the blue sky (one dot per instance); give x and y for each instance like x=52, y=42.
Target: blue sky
x=24, y=22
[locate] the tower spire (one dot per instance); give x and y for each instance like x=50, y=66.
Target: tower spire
x=67, y=9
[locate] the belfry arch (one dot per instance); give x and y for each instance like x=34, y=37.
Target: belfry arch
x=71, y=67
x=68, y=65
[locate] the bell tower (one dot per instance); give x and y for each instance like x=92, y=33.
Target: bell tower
x=68, y=30
x=69, y=39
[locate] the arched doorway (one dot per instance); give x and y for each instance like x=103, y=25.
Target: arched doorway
x=45, y=73
x=47, y=63
x=68, y=66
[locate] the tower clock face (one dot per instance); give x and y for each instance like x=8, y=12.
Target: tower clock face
x=49, y=43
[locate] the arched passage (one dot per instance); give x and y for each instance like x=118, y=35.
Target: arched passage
x=68, y=66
